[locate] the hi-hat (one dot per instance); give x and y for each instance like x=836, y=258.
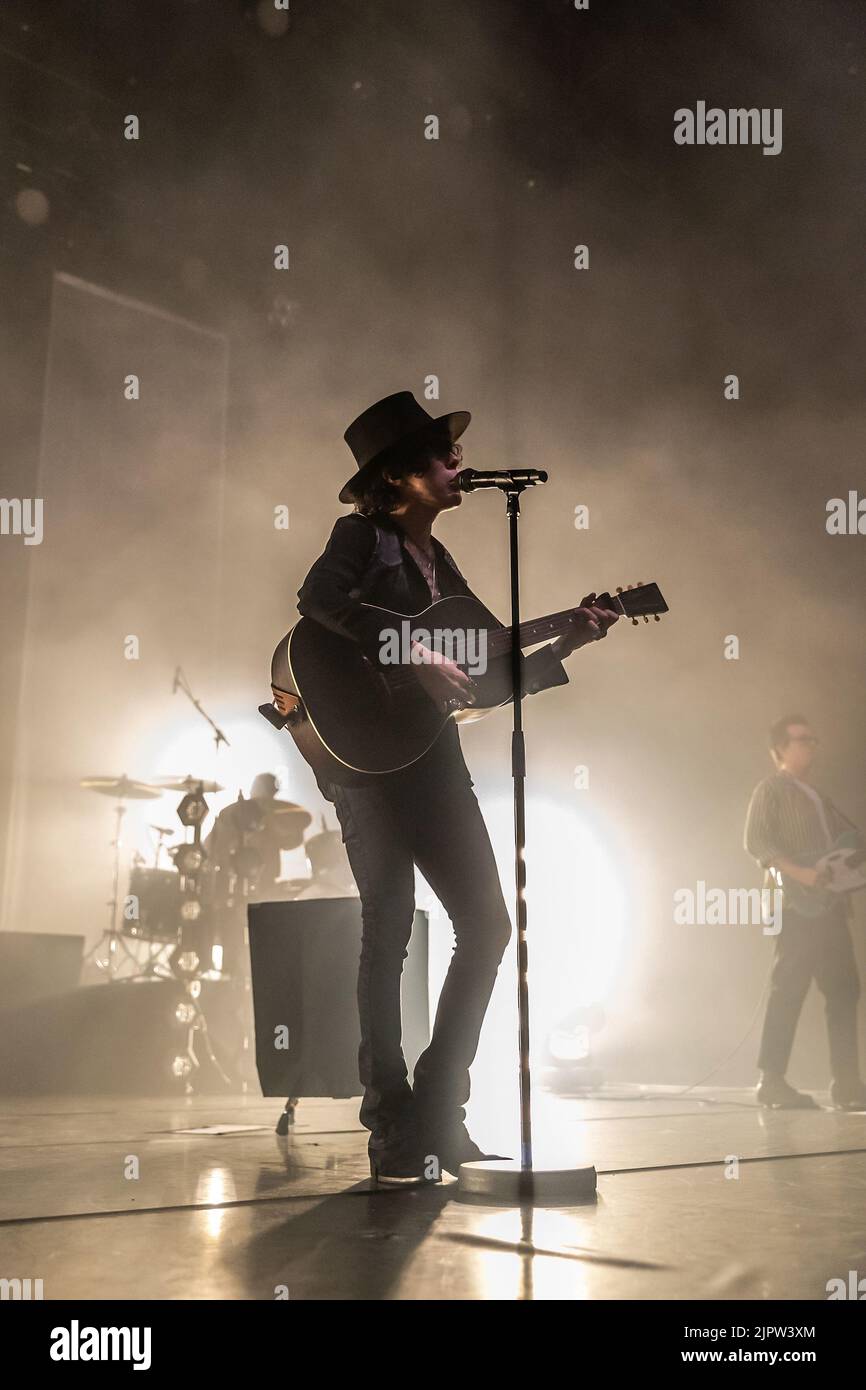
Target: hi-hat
x=122, y=788
x=186, y=784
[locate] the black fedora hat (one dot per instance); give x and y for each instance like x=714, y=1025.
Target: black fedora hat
x=385, y=429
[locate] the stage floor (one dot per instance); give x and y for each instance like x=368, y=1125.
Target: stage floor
x=241, y=1213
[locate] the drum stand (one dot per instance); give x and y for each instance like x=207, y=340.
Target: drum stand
x=115, y=940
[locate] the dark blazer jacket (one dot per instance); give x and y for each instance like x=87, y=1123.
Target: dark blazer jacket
x=365, y=561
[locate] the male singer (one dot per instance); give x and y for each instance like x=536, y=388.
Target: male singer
x=789, y=823
x=383, y=553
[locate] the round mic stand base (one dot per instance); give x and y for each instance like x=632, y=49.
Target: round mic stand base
x=503, y=1182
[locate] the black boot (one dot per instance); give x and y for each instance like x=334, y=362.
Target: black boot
x=398, y=1158
x=774, y=1093
x=452, y=1144
x=848, y=1095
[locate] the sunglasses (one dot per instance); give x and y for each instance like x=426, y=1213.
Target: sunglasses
x=444, y=451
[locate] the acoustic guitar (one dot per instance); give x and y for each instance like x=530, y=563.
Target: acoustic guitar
x=351, y=718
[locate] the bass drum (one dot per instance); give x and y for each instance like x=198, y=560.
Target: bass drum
x=152, y=909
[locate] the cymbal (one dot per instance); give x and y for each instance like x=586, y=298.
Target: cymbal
x=246, y=815
x=325, y=839
x=288, y=808
x=253, y=808
x=121, y=787
x=186, y=784
x=289, y=823
x=281, y=822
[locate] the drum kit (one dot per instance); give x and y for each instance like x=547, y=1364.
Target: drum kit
x=184, y=914
x=192, y=898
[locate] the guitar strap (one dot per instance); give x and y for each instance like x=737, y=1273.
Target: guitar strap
x=841, y=814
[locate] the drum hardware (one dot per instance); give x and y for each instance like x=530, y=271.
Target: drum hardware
x=124, y=789
x=162, y=833
x=167, y=909
x=173, y=913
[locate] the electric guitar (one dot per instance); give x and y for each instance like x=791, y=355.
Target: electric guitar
x=841, y=870
x=351, y=718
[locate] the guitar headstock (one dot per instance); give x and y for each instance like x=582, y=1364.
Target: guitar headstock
x=638, y=601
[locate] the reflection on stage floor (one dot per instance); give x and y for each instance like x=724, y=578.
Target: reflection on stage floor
x=699, y=1197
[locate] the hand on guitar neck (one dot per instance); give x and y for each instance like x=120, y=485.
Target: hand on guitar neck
x=589, y=622
x=351, y=720
x=449, y=687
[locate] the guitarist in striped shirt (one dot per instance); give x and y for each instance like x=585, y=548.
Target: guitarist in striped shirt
x=788, y=824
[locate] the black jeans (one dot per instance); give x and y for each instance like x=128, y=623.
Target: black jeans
x=426, y=815
x=813, y=948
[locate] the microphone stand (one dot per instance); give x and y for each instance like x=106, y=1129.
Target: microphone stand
x=502, y=1180
x=181, y=683
x=518, y=774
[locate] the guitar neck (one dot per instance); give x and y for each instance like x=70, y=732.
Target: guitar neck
x=536, y=630
x=644, y=600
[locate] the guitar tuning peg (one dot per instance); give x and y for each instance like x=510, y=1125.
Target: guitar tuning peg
x=640, y=583
x=634, y=622
x=645, y=618
x=619, y=588
x=657, y=617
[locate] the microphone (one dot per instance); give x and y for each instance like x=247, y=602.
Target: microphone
x=469, y=479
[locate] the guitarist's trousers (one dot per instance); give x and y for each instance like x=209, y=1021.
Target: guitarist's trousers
x=819, y=949
x=426, y=815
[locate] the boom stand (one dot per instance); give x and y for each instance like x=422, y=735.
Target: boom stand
x=506, y=1180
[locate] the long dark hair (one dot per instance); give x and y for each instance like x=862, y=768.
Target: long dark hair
x=379, y=496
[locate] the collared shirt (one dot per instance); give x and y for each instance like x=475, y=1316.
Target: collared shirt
x=426, y=566
x=784, y=819
x=820, y=809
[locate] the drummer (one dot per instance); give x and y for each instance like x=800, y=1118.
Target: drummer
x=249, y=835
x=268, y=841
